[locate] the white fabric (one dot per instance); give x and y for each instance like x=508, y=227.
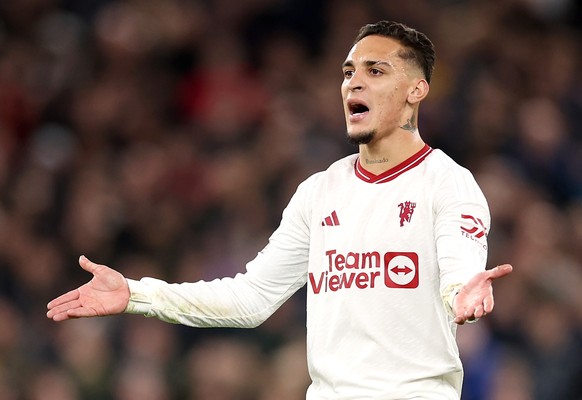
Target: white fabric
x=379, y=279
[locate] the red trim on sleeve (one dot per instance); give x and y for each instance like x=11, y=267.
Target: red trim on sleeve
x=394, y=172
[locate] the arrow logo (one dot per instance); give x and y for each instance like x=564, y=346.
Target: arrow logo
x=401, y=270
x=398, y=269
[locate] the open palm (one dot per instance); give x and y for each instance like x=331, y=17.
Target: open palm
x=475, y=298
x=106, y=294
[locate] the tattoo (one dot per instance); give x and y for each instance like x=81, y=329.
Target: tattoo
x=410, y=124
x=383, y=160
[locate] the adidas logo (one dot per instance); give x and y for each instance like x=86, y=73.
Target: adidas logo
x=331, y=220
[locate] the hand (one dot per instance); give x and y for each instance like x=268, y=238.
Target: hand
x=106, y=294
x=475, y=298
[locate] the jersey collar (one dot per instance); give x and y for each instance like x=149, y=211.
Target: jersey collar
x=394, y=172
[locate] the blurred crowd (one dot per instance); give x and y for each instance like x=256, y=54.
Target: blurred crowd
x=164, y=138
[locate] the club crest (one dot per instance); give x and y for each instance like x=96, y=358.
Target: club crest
x=406, y=211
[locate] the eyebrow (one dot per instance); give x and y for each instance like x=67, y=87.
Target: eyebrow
x=368, y=63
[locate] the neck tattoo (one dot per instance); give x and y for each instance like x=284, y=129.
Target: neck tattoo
x=410, y=124
x=380, y=161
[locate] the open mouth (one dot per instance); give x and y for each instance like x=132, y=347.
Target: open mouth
x=357, y=108
x=358, y=111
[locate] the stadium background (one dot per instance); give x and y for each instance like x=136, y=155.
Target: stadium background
x=165, y=137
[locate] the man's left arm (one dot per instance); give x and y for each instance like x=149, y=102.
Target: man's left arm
x=462, y=222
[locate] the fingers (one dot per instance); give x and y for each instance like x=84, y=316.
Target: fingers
x=471, y=309
x=469, y=316
x=87, y=264
x=60, y=317
x=73, y=294
x=69, y=304
x=500, y=271
x=62, y=311
x=65, y=298
x=72, y=313
x=460, y=319
x=488, y=303
x=72, y=309
x=479, y=312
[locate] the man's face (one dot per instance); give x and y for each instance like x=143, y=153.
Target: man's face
x=375, y=88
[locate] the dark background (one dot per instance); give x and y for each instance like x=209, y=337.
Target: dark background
x=164, y=138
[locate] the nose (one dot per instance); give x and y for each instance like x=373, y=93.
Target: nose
x=356, y=82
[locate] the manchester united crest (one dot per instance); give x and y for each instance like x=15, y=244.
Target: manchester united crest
x=406, y=210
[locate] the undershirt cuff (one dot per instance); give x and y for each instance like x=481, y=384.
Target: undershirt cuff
x=140, y=297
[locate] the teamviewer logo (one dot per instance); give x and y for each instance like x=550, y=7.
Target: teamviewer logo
x=401, y=270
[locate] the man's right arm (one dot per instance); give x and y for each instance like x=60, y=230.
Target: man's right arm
x=246, y=300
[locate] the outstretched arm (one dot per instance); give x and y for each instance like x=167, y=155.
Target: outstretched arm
x=106, y=294
x=475, y=298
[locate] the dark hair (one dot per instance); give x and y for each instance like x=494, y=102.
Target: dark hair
x=419, y=48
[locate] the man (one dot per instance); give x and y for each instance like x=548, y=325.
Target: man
x=391, y=243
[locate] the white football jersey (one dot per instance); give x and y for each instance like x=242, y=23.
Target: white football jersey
x=381, y=256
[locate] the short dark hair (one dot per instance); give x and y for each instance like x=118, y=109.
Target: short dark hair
x=420, y=49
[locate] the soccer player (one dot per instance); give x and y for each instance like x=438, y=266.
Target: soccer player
x=391, y=243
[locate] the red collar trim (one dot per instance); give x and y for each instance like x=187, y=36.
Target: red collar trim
x=394, y=172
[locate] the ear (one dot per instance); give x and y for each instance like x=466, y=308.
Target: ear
x=418, y=92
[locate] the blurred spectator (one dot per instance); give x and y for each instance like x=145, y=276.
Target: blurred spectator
x=223, y=369
x=165, y=138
